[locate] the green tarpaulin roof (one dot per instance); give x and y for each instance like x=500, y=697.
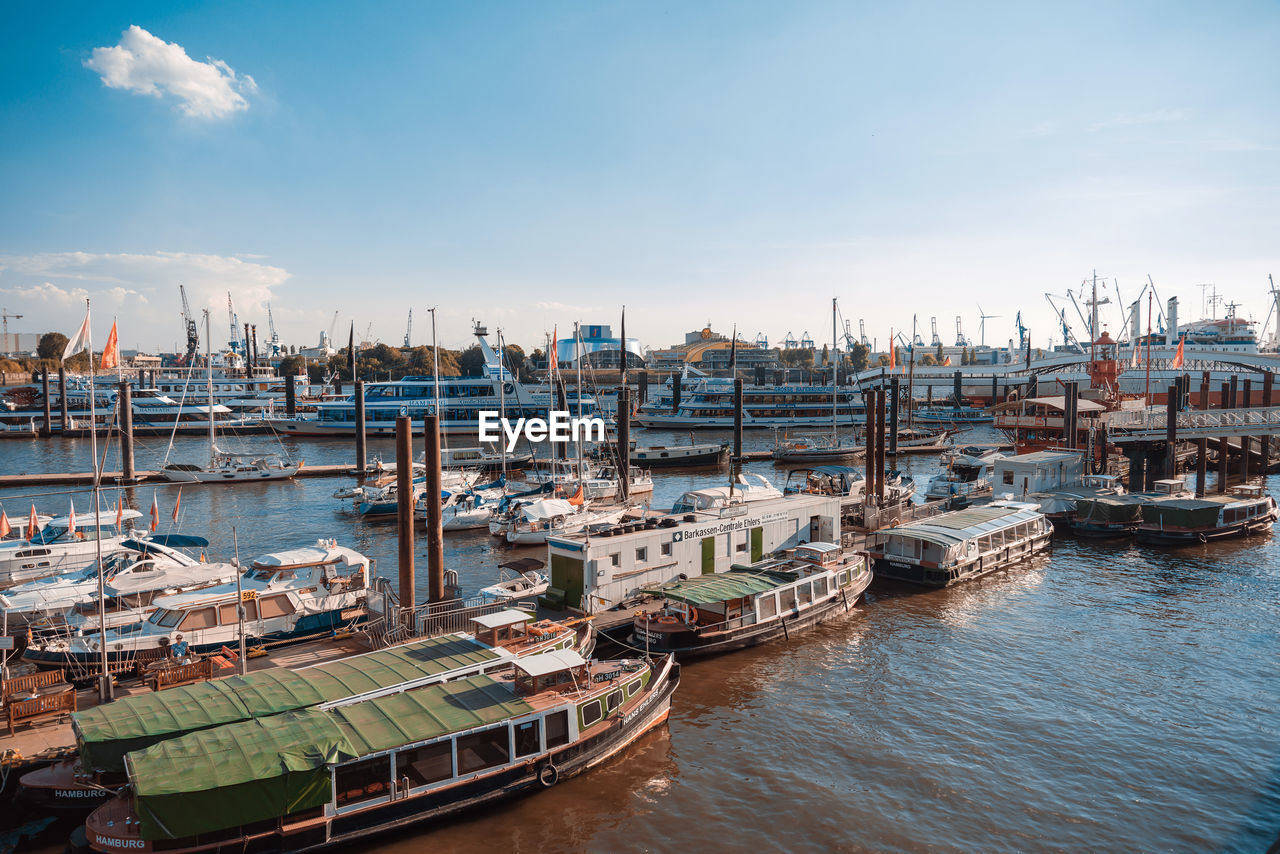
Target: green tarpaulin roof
x=264, y=769
x=721, y=586
x=105, y=733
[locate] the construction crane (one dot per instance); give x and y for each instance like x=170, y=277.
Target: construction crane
x=937, y=339
x=982, y=326
x=234, y=320
x=4, y=312
x=408, y=329
x=193, y=333
x=275, y=339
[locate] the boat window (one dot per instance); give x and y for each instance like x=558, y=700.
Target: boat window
x=632, y=687
x=666, y=549
x=528, y=736
x=642, y=555
x=787, y=599
x=276, y=606
x=614, y=700
x=557, y=729
x=168, y=619
x=200, y=618
x=430, y=763
x=363, y=781
x=482, y=750
x=820, y=586
x=591, y=713
x=767, y=606
x=805, y=593
x=842, y=578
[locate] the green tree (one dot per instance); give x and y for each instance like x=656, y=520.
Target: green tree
x=51, y=345
x=513, y=355
x=928, y=359
x=471, y=361
x=883, y=361
x=291, y=365
x=859, y=356
x=938, y=355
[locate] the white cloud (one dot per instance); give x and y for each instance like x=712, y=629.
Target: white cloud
x=148, y=65
x=1166, y=115
x=47, y=292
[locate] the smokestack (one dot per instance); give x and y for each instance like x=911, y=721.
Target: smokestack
x=1171, y=334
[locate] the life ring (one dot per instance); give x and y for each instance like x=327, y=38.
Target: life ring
x=548, y=775
x=667, y=619
x=693, y=615
x=404, y=410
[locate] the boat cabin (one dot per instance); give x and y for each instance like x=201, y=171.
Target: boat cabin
x=962, y=544
x=502, y=628
x=1040, y=471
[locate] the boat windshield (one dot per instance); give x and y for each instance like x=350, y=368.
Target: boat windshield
x=49, y=534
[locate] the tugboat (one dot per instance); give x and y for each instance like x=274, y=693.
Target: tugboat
x=748, y=605
x=1245, y=511
x=363, y=767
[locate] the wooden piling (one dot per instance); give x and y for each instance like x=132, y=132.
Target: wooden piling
x=47, y=430
x=675, y=393
x=290, y=398
x=435, y=516
x=127, y=473
x=1245, y=441
x=880, y=447
x=62, y=399
x=361, y=452
x=404, y=507
x=1202, y=445
x=1264, y=444
x=1171, y=432
x=1223, y=447
x=893, y=418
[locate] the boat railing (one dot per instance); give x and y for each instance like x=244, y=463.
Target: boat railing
x=391, y=623
x=886, y=517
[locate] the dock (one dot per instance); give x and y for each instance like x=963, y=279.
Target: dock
x=85, y=478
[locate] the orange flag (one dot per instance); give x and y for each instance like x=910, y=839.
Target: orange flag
x=119, y=515
x=1177, y=357
x=577, y=497
x=946, y=363
x=71, y=517
x=177, y=504
x=893, y=353
x=5, y=528
x=155, y=513
x=111, y=352
x=33, y=525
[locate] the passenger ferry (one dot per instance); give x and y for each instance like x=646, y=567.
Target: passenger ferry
x=957, y=415
x=709, y=405
x=960, y=545
x=362, y=767
x=105, y=733
x=748, y=605
x=1245, y=511
x=461, y=401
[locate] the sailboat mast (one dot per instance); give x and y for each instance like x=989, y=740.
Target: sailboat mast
x=502, y=405
x=577, y=352
x=208, y=358
x=435, y=372
x=104, y=685
x=835, y=421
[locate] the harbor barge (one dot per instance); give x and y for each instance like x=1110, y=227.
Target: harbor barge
x=960, y=545
x=749, y=605
x=369, y=767
x=1245, y=511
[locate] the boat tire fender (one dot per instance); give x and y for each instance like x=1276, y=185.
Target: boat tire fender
x=548, y=775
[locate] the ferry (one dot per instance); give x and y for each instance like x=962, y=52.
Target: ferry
x=958, y=415
x=288, y=596
x=960, y=545
x=1244, y=511
x=748, y=605
x=709, y=405
x=105, y=733
x=58, y=549
x=366, y=767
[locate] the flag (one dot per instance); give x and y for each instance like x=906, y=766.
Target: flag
x=576, y=500
x=1133, y=358
x=155, y=513
x=111, y=352
x=1177, y=357
x=177, y=504
x=946, y=363
x=71, y=523
x=119, y=515
x=5, y=528
x=893, y=353
x=33, y=524
x=79, y=341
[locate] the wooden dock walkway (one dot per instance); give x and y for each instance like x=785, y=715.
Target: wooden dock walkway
x=114, y=478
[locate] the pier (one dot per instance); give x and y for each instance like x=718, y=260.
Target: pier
x=85, y=478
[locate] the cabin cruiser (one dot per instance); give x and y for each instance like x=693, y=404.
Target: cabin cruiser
x=967, y=475
x=748, y=487
x=64, y=546
x=518, y=579
x=288, y=596
x=533, y=521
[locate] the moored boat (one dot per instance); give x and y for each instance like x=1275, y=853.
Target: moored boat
x=64, y=546
x=361, y=768
x=670, y=456
x=1245, y=511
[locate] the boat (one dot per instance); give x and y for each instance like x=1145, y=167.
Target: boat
x=105, y=733
x=849, y=485
x=913, y=440
x=748, y=605
x=599, y=482
x=518, y=579
x=814, y=449
x=224, y=466
x=56, y=548
x=534, y=521
x=1243, y=512
x=288, y=596
x=143, y=567
x=748, y=487
x=959, y=416
x=1108, y=516
x=486, y=460
x=960, y=545
x=708, y=405
x=18, y=527
x=967, y=475
x=359, y=768
x=669, y=456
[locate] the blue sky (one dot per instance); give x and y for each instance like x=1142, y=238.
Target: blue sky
x=529, y=164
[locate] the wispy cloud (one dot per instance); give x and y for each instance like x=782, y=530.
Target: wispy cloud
x=1167, y=115
x=49, y=293
x=148, y=65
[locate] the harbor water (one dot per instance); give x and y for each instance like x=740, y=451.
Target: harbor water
x=1102, y=697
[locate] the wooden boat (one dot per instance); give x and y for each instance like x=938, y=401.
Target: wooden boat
x=960, y=545
x=104, y=734
x=817, y=449
x=748, y=605
x=364, y=767
x=664, y=456
x=1245, y=511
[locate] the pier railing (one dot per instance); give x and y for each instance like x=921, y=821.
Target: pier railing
x=390, y=623
x=1152, y=423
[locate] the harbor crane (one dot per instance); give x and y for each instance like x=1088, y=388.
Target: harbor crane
x=762, y=341
x=4, y=312
x=849, y=340
x=1022, y=331
x=789, y=341
x=275, y=339
x=982, y=325
x=806, y=341
x=936, y=341
x=862, y=333
x=961, y=341
x=234, y=319
x=193, y=331
x=408, y=329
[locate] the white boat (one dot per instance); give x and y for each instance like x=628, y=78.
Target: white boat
x=534, y=521
x=226, y=467
x=18, y=527
x=599, y=482
x=966, y=475
x=56, y=550
x=516, y=584
x=466, y=511
x=288, y=596
x=748, y=487
x=693, y=454
x=140, y=561
x=816, y=449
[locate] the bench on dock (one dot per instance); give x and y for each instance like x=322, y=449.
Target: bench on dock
x=40, y=707
x=31, y=683
x=179, y=674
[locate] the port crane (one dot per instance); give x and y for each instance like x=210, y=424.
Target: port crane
x=193, y=333
x=806, y=341
x=961, y=341
x=408, y=329
x=4, y=312
x=862, y=333
x=275, y=339
x=234, y=319
x=1022, y=331
x=936, y=341
x=762, y=341
x=789, y=341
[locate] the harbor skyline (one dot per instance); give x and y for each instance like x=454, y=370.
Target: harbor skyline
x=530, y=167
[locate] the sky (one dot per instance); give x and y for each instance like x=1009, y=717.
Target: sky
x=530, y=165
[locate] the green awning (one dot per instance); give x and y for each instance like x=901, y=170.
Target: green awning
x=1110, y=509
x=1182, y=513
x=106, y=733
x=722, y=586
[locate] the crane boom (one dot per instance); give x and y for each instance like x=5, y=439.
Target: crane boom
x=193, y=333
x=408, y=329
x=275, y=339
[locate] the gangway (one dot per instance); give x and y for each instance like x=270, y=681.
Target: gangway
x=1151, y=424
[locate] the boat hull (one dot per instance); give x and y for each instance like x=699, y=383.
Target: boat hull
x=898, y=570
x=203, y=476
x=1168, y=537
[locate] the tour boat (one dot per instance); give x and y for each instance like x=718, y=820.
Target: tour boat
x=288, y=596
x=747, y=605
x=56, y=548
x=1245, y=511
x=363, y=767
x=709, y=405
x=960, y=545
x=105, y=733
x=958, y=416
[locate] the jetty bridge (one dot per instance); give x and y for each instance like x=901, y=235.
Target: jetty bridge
x=1152, y=424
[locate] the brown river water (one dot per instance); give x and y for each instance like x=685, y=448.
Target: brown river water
x=1103, y=697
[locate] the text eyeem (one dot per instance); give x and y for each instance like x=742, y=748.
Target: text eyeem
x=560, y=427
